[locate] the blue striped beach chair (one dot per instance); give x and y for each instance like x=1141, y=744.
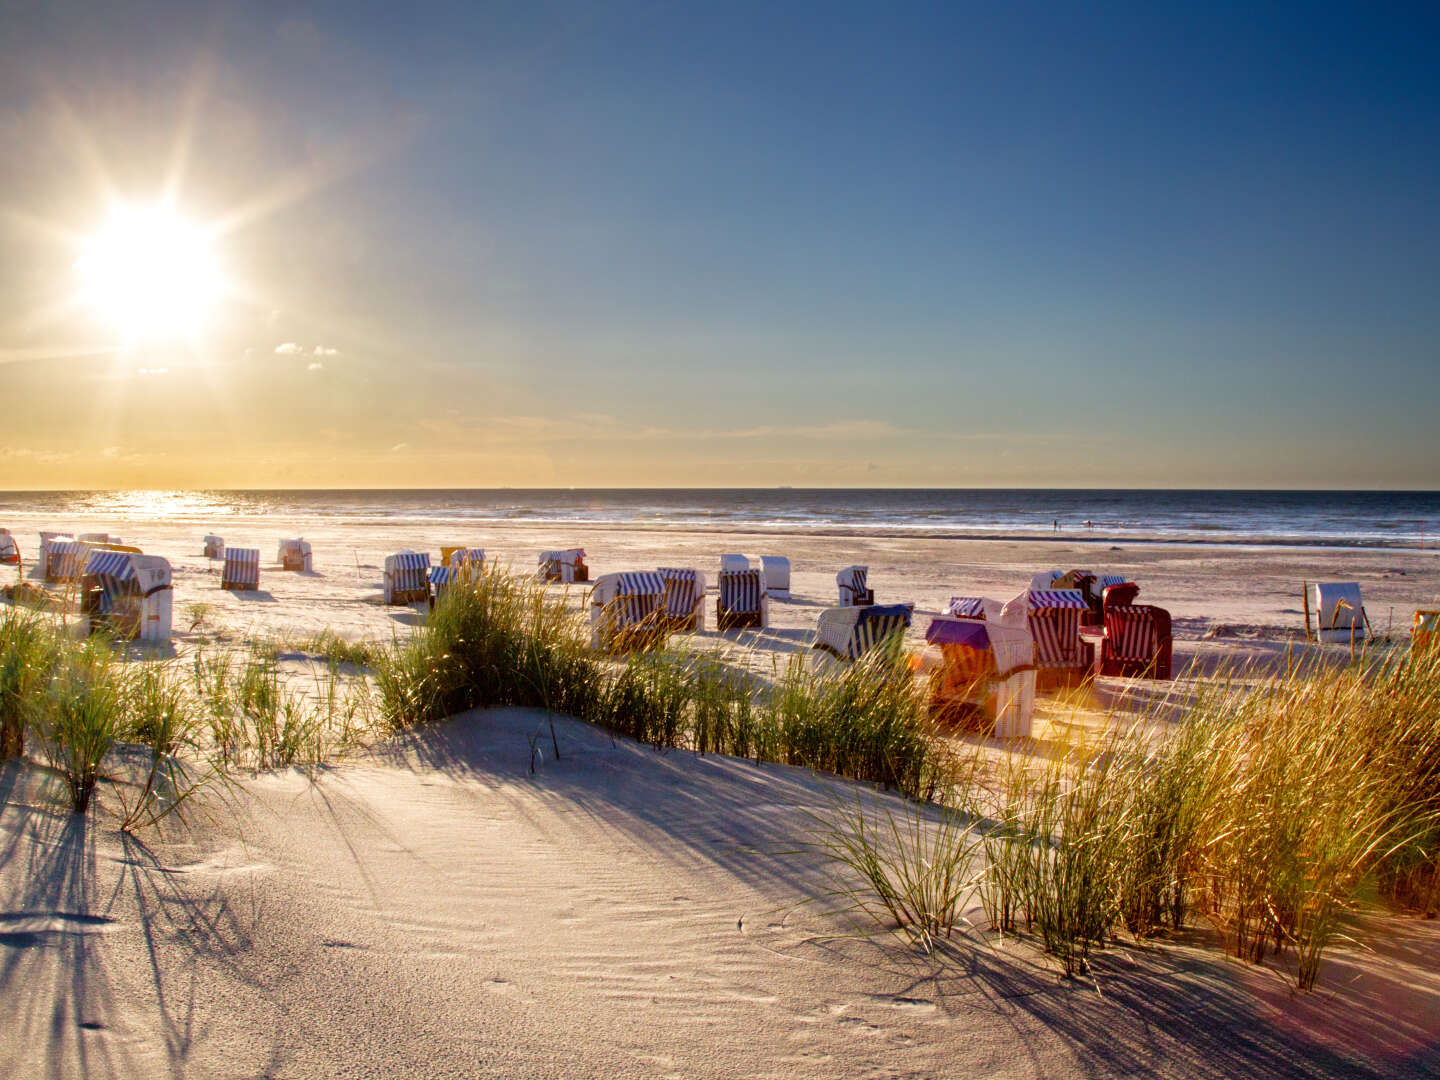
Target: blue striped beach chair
x=742, y=601
x=64, y=560
x=127, y=594
x=407, y=577
x=627, y=610
x=470, y=560
x=566, y=565
x=848, y=633
x=684, y=598
x=854, y=590
x=441, y=578
x=241, y=570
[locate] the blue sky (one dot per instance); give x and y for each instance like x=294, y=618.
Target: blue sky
x=725, y=244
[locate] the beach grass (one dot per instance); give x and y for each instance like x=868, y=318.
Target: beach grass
x=498, y=639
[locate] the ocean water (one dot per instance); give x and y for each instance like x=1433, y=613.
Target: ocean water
x=1350, y=518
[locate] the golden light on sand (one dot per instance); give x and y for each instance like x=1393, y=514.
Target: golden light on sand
x=149, y=274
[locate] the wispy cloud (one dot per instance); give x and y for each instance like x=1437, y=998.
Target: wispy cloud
x=324, y=350
x=316, y=366
x=290, y=348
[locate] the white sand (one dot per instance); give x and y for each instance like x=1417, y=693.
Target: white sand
x=431, y=909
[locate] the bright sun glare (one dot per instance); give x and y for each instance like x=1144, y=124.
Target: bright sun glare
x=150, y=274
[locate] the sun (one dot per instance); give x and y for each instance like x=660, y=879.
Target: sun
x=150, y=275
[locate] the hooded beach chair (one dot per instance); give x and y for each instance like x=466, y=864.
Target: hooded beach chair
x=441, y=578
x=684, y=598
x=1339, y=615
x=407, y=577
x=127, y=594
x=627, y=610
x=742, y=600
x=777, y=576
x=64, y=560
x=1053, y=618
x=214, y=546
x=1045, y=579
x=241, y=570
x=295, y=555
x=854, y=592
x=9, y=550
x=848, y=633
x=984, y=669
x=974, y=607
x=42, y=556
x=1425, y=633
x=467, y=561
x=99, y=538
x=1137, y=641
x=566, y=566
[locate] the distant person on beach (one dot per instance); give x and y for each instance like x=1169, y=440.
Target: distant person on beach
x=1057, y=525
x=1088, y=525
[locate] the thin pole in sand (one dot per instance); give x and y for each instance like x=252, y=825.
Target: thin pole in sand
x=356, y=554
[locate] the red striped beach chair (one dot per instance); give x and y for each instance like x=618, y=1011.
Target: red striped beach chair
x=1137, y=641
x=1053, y=619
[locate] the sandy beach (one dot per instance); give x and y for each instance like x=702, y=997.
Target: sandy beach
x=427, y=907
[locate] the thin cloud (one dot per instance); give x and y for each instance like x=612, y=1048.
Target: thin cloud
x=317, y=366
x=325, y=350
x=290, y=348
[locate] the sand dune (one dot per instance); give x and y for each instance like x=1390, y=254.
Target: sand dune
x=433, y=909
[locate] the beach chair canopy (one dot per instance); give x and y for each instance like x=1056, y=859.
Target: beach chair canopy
x=1337, y=609
x=734, y=561
x=442, y=575
x=9, y=550
x=564, y=556
x=1045, y=578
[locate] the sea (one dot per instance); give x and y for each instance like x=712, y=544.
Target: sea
x=1388, y=519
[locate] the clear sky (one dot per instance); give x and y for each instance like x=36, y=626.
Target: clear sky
x=616, y=244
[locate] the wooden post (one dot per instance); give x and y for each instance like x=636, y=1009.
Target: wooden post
x=1305, y=598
